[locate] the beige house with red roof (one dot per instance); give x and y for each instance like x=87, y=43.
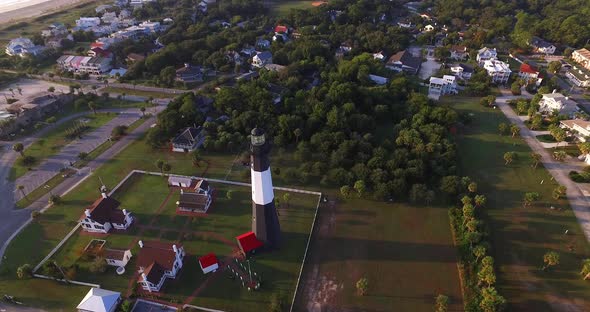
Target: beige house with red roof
x=156, y=262
x=459, y=52
x=530, y=74
x=104, y=215
x=197, y=200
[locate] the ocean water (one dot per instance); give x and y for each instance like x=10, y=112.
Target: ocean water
x=9, y=5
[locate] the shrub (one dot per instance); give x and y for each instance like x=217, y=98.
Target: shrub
x=27, y=160
x=24, y=271
x=119, y=131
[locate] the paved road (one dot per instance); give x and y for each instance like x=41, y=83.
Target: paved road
x=559, y=170
x=69, y=154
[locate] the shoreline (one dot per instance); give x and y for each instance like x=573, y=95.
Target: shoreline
x=37, y=9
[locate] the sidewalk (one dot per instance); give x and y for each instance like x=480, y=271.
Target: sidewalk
x=69, y=154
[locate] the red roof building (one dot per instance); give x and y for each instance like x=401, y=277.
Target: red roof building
x=530, y=74
x=209, y=263
x=281, y=29
x=98, y=51
x=248, y=242
x=156, y=262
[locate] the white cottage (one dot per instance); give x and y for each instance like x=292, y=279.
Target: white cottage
x=104, y=215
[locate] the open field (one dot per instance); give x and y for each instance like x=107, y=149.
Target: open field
x=147, y=94
x=282, y=7
x=56, y=139
x=405, y=251
x=522, y=235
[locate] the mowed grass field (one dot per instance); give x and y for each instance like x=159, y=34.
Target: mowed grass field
x=405, y=251
x=143, y=196
x=521, y=236
x=51, y=143
x=282, y=7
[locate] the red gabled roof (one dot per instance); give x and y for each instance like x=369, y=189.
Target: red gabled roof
x=281, y=29
x=208, y=260
x=96, y=45
x=526, y=68
x=249, y=242
x=101, y=52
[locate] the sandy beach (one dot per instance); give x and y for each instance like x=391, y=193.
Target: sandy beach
x=31, y=8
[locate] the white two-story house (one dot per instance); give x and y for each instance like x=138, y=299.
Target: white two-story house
x=156, y=262
x=557, y=102
x=498, y=70
x=486, y=54
x=104, y=215
x=441, y=86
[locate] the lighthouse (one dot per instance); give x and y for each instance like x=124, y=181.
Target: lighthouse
x=265, y=222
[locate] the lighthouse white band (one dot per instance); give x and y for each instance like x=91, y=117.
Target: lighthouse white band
x=262, y=192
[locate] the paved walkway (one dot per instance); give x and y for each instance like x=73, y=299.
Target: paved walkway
x=69, y=154
x=559, y=170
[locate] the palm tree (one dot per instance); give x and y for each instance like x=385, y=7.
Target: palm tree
x=515, y=130
x=480, y=200
x=530, y=198
x=297, y=133
x=92, y=107
x=472, y=187
x=509, y=157
x=551, y=258
x=560, y=155
x=19, y=148
x=585, y=269
x=160, y=164
x=362, y=285
x=142, y=109
x=442, y=303
x=21, y=188
x=479, y=252
x=536, y=158
x=12, y=91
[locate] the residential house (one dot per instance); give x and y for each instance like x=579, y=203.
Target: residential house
x=282, y=36
x=139, y=3
x=281, y=29
x=84, y=23
x=261, y=59
x=579, y=76
x=428, y=28
x=498, y=70
x=104, y=214
x=198, y=201
x=233, y=57
x=180, y=181
x=85, y=64
x=156, y=262
x=134, y=57
x=442, y=86
x=189, y=73
x=99, y=300
x=27, y=110
x=578, y=127
x=262, y=43
x=188, y=140
x=378, y=79
x=152, y=27
x=22, y=47
x=530, y=74
x=94, y=52
x=462, y=71
x=248, y=51
x=459, y=52
x=405, y=24
x=343, y=50
x=486, y=54
x=109, y=18
x=117, y=72
x=404, y=61
x=541, y=46
x=582, y=57
x=209, y=263
x=117, y=257
x=379, y=56
x=55, y=30
x=557, y=103
x=275, y=67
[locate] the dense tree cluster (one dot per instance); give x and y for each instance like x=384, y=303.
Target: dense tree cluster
x=559, y=21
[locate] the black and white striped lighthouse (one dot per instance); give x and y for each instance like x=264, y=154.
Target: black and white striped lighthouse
x=265, y=222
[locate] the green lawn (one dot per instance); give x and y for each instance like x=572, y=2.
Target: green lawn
x=282, y=7
x=143, y=195
x=52, y=142
x=147, y=94
x=522, y=235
